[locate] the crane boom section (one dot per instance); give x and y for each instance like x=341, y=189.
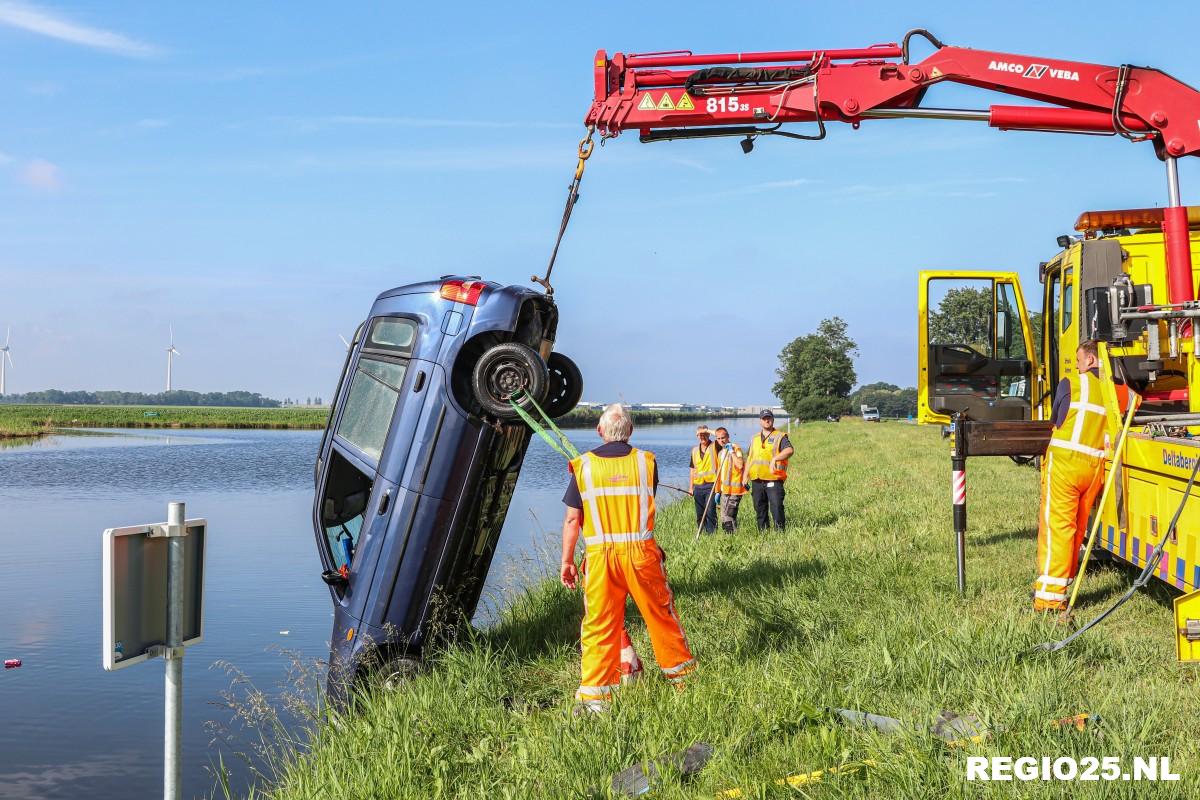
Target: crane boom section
x=683, y=91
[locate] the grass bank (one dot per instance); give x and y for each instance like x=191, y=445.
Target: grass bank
x=853, y=606
x=34, y=420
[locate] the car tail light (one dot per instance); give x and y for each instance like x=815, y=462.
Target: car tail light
x=1129, y=218
x=462, y=291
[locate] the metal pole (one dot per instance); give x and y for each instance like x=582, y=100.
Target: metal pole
x=1172, y=182
x=958, y=468
x=172, y=760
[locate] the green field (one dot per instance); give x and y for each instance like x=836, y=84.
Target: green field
x=35, y=420
x=853, y=606
x=30, y=420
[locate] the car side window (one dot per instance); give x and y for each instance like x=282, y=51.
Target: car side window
x=370, y=403
x=343, y=506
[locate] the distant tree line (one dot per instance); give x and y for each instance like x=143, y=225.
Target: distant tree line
x=816, y=374
x=175, y=397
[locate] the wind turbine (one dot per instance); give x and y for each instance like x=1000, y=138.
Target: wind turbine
x=5, y=355
x=171, y=353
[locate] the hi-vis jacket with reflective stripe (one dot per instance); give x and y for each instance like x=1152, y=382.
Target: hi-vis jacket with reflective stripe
x=1083, y=429
x=729, y=479
x=618, y=497
x=760, y=458
x=705, y=465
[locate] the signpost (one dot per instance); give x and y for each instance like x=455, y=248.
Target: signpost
x=153, y=588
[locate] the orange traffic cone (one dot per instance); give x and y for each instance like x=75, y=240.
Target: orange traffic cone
x=631, y=665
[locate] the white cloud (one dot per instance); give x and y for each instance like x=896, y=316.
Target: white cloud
x=47, y=23
x=41, y=175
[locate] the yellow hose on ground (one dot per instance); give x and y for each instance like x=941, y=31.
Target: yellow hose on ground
x=1112, y=474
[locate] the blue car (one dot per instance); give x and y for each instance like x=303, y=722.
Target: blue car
x=420, y=458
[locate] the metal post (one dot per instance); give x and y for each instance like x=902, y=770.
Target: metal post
x=172, y=760
x=958, y=468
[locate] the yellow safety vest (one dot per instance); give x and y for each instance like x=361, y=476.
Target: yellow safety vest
x=618, y=497
x=706, y=471
x=1084, y=427
x=729, y=479
x=760, y=458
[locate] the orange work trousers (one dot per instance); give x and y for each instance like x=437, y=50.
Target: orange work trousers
x=611, y=574
x=1070, y=483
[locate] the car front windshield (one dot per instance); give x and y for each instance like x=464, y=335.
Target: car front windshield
x=370, y=405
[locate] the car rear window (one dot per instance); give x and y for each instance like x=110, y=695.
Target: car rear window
x=370, y=404
x=392, y=333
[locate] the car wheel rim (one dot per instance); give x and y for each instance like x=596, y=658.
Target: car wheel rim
x=507, y=378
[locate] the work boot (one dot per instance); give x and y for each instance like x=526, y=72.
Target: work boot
x=585, y=708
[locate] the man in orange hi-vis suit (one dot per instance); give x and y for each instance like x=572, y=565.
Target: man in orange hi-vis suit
x=611, y=500
x=1072, y=474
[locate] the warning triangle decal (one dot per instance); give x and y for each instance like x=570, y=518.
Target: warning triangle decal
x=647, y=103
x=935, y=73
x=665, y=104
x=685, y=103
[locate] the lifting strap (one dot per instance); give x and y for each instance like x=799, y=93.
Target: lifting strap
x=585, y=151
x=549, y=432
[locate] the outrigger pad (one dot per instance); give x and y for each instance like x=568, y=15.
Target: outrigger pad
x=638, y=779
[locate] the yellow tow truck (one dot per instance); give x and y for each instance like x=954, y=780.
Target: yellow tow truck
x=988, y=368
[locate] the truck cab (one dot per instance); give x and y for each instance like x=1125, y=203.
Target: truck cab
x=420, y=458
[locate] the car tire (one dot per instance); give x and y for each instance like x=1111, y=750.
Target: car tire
x=566, y=386
x=504, y=369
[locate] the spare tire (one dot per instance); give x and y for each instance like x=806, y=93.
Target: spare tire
x=566, y=386
x=503, y=370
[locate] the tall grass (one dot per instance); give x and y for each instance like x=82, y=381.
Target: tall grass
x=852, y=606
x=25, y=420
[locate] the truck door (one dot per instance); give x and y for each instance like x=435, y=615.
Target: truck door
x=975, y=347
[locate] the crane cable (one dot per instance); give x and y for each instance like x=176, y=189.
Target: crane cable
x=586, y=145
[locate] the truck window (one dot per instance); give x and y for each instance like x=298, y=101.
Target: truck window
x=370, y=404
x=960, y=313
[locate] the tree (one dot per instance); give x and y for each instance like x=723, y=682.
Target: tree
x=890, y=399
x=964, y=316
x=816, y=372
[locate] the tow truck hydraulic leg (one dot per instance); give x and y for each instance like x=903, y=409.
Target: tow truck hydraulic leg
x=958, y=469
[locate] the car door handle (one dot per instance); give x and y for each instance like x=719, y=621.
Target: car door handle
x=384, y=503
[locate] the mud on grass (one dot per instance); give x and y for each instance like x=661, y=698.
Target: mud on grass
x=853, y=606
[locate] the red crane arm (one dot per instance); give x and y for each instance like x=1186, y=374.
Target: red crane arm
x=741, y=89
x=678, y=95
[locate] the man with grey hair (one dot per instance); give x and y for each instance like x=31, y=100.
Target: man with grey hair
x=610, y=501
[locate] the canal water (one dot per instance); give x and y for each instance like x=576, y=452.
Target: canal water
x=67, y=728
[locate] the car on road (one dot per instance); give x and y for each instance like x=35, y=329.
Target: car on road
x=420, y=457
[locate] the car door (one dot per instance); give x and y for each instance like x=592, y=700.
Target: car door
x=975, y=347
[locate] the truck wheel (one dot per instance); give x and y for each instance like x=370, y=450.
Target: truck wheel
x=566, y=386
x=504, y=369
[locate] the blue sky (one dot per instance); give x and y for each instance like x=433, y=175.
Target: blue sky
x=255, y=173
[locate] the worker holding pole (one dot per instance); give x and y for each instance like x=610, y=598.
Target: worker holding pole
x=611, y=500
x=1072, y=474
x=730, y=486
x=703, y=473
x=766, y=471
